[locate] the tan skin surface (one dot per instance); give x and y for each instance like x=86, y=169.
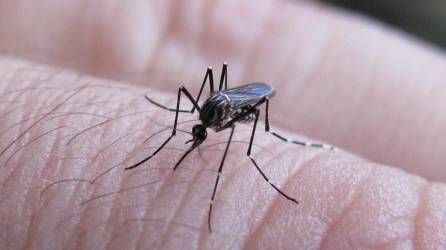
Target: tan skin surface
x=344, y=80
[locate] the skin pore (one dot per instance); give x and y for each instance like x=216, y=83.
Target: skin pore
x=66, y=136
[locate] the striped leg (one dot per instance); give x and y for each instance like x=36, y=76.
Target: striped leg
x=257, y=166
x=220, y=169
x=301, y=143
x=209, y=75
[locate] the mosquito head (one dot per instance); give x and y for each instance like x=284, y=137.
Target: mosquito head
x=199, y=133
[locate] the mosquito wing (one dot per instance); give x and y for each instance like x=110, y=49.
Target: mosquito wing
x=248, y=94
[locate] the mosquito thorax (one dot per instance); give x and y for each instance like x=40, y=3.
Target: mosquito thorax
x=199, y=132
x=215, y=110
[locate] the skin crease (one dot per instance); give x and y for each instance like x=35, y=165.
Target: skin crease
x=345, y=202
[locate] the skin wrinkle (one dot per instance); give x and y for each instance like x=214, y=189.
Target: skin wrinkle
x=29, y=104
x=79, y=237
x=12, y=110
x=29, y=235
x=183, y=199
x=75, y=191
x=236, y=141
x=171, y=219
x=125, y=207
x=77, y=214
x=118, y=139
x=104, y=122
x=115, y=202
x=32, y=221
x=144, y=205
x=113, y=205
x=253, y=171
x=51, y=118
x=96, y=178
x=159, y=192
x=55, y=183
x=22, y=147
x=160, y=131
x=107, y=128
x=138, y=235
x=156, y=196
x=22, y=121
x=391, y=244
x=84, y=219
x=24, y=90
x=160, y=221
x=171, y=126
x=124, y=189
x=359, y=193
x=69, y=180
x=12, y=174
x=119, y=191
x=38, y=121
x=200, y=242
x=407, y=216
x=306, y=164
x=14, y=72
x=53, y=149
x=117, y=165
x=27, y=194
x=229, y=176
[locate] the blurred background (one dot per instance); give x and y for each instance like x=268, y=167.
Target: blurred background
x=425, y=19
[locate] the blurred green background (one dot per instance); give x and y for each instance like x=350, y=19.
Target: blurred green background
x=425, y=19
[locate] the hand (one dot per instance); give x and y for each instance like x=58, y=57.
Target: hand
x=341, y=79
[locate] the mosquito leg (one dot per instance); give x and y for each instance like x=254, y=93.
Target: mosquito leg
x=174, y=130
x=163, y=106
x=224, y=77
x=218, y=178
x=194, y=101
x=257, y=166
x=301, y=143
x=191, y=99
x=209, y=75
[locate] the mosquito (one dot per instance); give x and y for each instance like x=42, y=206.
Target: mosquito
x=222, y=110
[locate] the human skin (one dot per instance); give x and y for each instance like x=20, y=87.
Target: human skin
x=341, y=79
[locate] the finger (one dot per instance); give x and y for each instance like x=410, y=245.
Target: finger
x=69, y=188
